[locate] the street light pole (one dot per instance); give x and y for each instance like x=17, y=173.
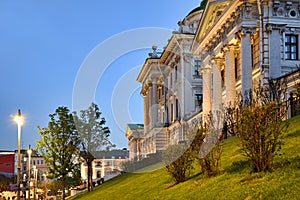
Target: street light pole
x=35, y=170
x=29, y=171
x=19, y=121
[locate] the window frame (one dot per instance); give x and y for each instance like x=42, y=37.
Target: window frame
x=289, y=53
x=197, y=66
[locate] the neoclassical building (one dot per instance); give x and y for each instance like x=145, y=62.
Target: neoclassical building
x=172, y=91
x=222, y=49
x=244, y=44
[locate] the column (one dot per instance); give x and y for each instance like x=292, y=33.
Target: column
x=206, y=76
x=150, y=94
x=146, y=110
x=246, y=62
x=217, y=91
x=166, y=105
x=230, y=75
x=154, y=105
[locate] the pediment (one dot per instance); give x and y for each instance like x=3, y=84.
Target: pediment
x=213, y=11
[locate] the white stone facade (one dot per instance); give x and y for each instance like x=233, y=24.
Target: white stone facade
x=242, y=44
x=172, y=92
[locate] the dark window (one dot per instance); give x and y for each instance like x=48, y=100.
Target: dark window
x=177, y=109
x=198, y=100
x=98, y=174
x=196, y=68
x=236, y=68
x=176, y=73
x=172, y=116
x=159, y=93
x=291, y=47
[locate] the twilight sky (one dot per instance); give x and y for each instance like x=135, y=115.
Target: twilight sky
x=50, y=50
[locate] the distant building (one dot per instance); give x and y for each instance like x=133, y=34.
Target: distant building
x=106, y=164
x=37, y=162
x=7, y=162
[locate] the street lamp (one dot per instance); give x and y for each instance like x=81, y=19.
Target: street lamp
x=35, y=172
x=29, y=151
x=19, y=120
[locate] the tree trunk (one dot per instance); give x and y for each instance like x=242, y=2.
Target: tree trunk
x=89, y=183
x=63, y=189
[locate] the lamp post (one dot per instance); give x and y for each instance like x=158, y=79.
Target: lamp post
x=19, y=120
x=29, y=151
x=35, y=170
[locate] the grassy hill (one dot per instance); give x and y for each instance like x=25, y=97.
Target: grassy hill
x=235, y=181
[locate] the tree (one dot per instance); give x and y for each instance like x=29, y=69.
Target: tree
x=93, y=136
x=59, y=145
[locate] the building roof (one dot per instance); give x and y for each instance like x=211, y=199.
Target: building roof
x=117, y=153
x=201, y=7
x=135, y=126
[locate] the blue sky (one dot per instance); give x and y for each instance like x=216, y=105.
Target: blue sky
x=44, y=44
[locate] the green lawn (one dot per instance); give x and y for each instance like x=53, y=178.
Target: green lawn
x=235, y=181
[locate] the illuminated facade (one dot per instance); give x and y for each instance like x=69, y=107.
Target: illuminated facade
x=220, y=52
x=172, y=91
x=244, y=44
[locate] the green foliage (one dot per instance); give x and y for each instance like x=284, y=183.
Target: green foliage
x=259, y=128
x=93, y=135
x=178, y=161
x=59, y=145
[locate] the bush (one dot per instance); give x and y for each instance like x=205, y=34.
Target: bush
x=178, y=161
x=206, y=146
x=259, y=128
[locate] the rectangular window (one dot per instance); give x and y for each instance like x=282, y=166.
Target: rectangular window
x=236, y=68
x=177, y=109
x=196, y=68
x=176, y=73
x=198, y=100
x=172, y=116
x=291, y=47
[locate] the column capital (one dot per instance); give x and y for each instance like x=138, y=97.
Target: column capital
x=218, y=61
x=230, y=47
x=206, y=68
x=246, y=31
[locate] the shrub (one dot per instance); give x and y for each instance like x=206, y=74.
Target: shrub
x=178, y=161
x=206, y=148
x=259, y=128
